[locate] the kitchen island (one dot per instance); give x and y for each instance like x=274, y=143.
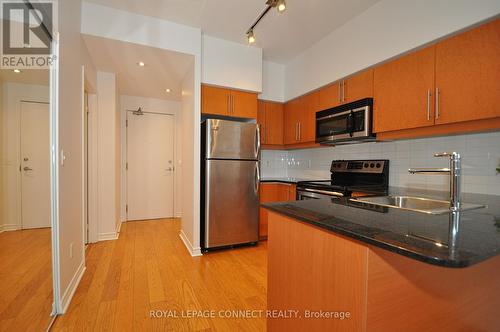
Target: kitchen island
x=356, y=267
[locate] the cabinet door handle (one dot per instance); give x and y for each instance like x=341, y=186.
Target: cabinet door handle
x=296, y=131
x=229, y=104
x=429, y=93
x=232, y=103
x=300, y=131
x=340, y=91
x=343, y=91
x=437, y=103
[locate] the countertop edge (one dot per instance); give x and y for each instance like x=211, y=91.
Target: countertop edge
x=392, y=248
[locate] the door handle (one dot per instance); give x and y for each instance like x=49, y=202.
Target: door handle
x=343, y=91
x=437, y=103
x=170, y=169
x=27, y=168
x=429, y=105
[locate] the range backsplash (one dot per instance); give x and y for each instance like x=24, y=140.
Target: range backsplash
x=480, y=159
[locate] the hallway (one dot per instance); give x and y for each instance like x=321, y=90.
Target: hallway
x=148, y=268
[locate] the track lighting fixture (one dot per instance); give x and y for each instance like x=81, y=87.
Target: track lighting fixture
x=251, y=36
x=280, y=5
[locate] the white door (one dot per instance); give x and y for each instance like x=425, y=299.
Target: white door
x=35, y=165
x=150, y=173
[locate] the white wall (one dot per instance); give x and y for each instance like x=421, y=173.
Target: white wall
x=156, y=106
x=108, y=193
x=13, y=94
x=229, y=64
x=159, y=33
x=480, y=158
x=70, y=264
x=387, y=29
x=116, y=24
x=273, y=81
x=190, y=231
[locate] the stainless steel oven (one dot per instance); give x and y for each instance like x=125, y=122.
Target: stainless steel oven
x=306, y=193
x=346, y=123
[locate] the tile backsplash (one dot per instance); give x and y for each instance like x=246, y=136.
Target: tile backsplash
x=480, y=158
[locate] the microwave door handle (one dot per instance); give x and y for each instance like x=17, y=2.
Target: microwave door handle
x=350, y=124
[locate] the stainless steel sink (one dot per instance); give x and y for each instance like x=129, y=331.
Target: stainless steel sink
x=417, y=204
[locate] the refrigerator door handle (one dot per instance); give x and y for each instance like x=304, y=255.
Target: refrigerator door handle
x=257, y=179
x=257, y=142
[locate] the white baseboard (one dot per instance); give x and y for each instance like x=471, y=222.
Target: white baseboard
x=178, y=215
x=9, y=227
x=192, y=251
x=119, y=228
x=107, y=236
x=73, y=285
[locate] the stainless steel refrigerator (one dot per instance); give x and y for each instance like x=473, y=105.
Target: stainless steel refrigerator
x=230, y=178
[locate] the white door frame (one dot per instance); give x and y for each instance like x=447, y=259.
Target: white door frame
x=93, y=202
x=124, y=157
x=54, y=173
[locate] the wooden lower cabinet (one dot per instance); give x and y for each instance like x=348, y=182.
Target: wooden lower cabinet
x=312, y=270
x=273, y=192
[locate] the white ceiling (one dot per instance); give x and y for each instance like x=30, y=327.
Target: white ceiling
x=164, y=69
x=27, y=76
x=281, y=36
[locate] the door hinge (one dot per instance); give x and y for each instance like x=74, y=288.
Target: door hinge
x=126, y=208
x=126, y=123
x=126, y=166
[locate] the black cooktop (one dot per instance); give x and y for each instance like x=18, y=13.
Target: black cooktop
x=348, y=176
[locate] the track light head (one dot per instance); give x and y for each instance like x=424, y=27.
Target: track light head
x=250, y=36
x=281, y=6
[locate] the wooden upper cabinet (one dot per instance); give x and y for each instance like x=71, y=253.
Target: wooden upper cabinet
x=468, y=75
x=227, y=102
x=402, y=91
x=307, y=126
x=215, y=100
x=244, y=104
x=270, y=118
x=329, y=96
x=358, y=86
x=261, y=120
x=274, y=123
x=292, y=118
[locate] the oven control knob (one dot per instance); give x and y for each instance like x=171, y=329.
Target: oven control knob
x=378, y=165
x=366, y=165
x=372, y=165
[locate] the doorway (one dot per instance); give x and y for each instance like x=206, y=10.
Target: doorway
x=35, y=165
x=149, y=165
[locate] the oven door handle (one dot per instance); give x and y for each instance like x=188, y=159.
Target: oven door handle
x=324, y=192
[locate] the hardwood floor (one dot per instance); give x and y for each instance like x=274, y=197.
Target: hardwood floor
x=148, y=268
x=25, y=280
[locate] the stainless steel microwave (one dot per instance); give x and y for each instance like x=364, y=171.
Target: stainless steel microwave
x=348, y=123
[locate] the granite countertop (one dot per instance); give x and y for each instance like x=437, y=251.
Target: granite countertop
x=416, y=235
x=284, y=179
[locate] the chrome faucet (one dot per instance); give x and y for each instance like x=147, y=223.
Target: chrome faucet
x=454, y=171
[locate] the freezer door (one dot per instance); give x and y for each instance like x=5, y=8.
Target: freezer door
x=231, y=202
x=232, y=140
